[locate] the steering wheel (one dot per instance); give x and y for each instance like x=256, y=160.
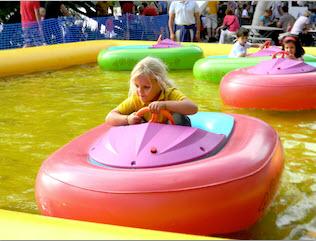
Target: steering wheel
x=267, y=44
x=154, y=116
x=283, y=53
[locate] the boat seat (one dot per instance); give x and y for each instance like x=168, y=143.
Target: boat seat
x=215, y=122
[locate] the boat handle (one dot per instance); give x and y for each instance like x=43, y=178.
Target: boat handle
x=267, y=44
x=154, y=116
x=278, y=53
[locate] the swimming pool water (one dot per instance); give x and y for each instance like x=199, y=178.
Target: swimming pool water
x=42, y=112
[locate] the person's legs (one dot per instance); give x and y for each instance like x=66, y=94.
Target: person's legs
x=26, y=37
x=188, y=36
x=177, y=34
x=185, y=33
x=213, y=25
x=208, y=23
x=222, y=37
x=230, y=36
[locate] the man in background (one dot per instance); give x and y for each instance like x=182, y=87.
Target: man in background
x=286, y=20
x=31, y=23
x=211, y=20
x=184, y=21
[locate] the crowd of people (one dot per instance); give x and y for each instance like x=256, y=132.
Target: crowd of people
x=219, y=21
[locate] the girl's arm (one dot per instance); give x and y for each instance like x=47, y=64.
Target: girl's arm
x=184, y=107
x=115, y=118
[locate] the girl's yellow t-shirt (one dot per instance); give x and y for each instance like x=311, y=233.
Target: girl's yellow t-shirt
x=133, y=103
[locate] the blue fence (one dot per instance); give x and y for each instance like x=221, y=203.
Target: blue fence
x=75, y=29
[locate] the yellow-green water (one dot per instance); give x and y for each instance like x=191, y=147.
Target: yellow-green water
x=42, y=112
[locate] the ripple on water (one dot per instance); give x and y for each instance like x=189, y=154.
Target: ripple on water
x=304, y=231
x=311, y=126
x=297, y=213
x=299, y=136
x=310, y=146
x=297, y=177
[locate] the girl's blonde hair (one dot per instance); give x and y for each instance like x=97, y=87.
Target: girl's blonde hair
x=155, y=69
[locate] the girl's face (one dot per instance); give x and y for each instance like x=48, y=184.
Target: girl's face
x=147, y=89
x=290, y=48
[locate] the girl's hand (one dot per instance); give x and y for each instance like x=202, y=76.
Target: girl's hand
x=133, y=119
x=156, y=106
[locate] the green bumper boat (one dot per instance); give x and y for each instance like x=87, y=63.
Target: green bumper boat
x=213, y=68
x=126, y=57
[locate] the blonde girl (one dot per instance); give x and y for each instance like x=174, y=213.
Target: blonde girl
x=150, y=86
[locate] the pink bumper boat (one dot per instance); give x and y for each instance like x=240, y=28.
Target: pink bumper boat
x=215, y=177
x=277, y=84
x=268, y=50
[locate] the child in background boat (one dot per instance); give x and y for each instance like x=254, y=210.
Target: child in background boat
x=292, y=45
x=240, y=47
x=150, y=86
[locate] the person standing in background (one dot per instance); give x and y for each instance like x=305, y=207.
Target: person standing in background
x=286, y=21
x=211, y=20
x=162, y=7
x=302, y=23
x=245, y=17
x=228, y=28
x=266, y=19
x=42, y=13
x=51, y=27
x=127, y=7
x=150, y=9
x=232, y=5
x=313, y=19
x=276, y=10
x=31, y=23
x=300, y=27
x=184, y=21
x=103, y=8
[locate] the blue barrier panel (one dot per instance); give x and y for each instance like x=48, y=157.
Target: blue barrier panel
x=81, y=28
